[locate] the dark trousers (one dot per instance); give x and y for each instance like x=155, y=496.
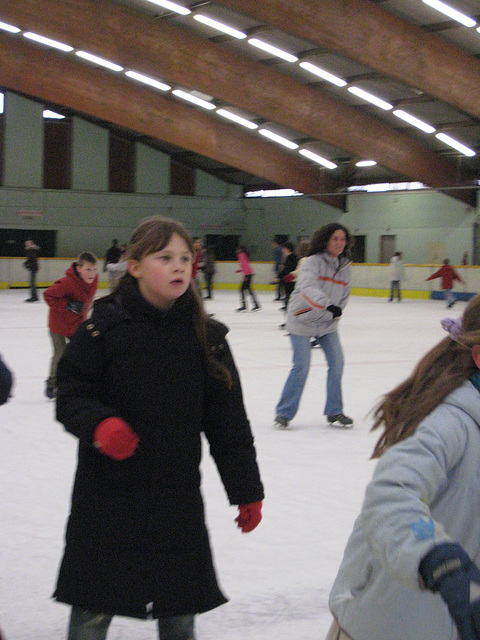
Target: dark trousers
x=33, y=285
x=395, y=286
x=246, y=286
x=209, y=284
x=88, y=625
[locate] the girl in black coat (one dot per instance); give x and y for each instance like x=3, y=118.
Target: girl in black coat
x=138, y=384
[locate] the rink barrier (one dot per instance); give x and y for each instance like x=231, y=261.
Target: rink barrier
x=367, y=279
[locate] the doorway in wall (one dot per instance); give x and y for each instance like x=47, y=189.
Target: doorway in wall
x=223, y=246
x=476, y=243
x=387, y=248
x=358, y=249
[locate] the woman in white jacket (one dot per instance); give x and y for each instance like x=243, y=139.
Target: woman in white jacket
x=409, y=571
x=396, y=275
x=314, y=309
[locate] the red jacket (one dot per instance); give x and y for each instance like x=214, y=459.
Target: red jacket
x=70, y=287
x=448, y=274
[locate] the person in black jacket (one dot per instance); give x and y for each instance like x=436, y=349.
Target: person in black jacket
x=137, y=385
x=31, y=264
x=285, y=276
x=6, y=382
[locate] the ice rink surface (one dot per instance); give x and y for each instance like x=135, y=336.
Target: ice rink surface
x=277, y=577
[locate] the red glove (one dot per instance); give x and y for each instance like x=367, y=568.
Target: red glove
x=115, y=438
x=289, y=277
x=249, y=516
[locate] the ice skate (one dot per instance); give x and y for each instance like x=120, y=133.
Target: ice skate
x=339, y=420
x=280, y=422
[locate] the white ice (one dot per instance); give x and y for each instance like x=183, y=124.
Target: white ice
x=277, y=577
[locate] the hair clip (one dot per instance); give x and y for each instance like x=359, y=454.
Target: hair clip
x=453, y=326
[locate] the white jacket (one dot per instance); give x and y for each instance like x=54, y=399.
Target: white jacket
x=396, y=269
x=322, y=280
x=425, y=490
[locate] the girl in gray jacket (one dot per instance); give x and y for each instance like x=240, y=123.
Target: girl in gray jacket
x=409, y=571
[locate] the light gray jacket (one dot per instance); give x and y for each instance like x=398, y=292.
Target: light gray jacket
x=424, y=491
x=396, y=269
x=322, y=281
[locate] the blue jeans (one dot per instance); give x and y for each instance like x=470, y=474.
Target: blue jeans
x=450, y=297
x=87, y=625
x=289, y=402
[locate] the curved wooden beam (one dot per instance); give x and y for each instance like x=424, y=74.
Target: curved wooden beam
x=364, y=31
x=62, y=80
x=178, y=55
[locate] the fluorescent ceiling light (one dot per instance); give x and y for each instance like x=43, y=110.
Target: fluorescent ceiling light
x=48, y=41
x=273, y=50
x=1, y=102
x=450, y=12
x=393, y=186
x=365, y=163
x=146, y=80
x=415, y=121
x=273, y=136
x=232, y=116
x=189, y=98
x=100, y=61
x=318, y=159
x=273, y=193
x=219, y=26
x=329, y=77
x=370, y=98
x=455, y=144
x=172, y=6
x=8, y=27
x=53, y=115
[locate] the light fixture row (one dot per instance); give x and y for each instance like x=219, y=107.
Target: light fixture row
x=273, y=51
x=179, y=93
x=329, y=77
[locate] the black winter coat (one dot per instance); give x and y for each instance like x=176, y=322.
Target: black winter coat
x=6, y=382
x=136, y=540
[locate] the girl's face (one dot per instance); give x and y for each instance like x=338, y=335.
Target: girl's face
x=165, y=275
x=336, y=243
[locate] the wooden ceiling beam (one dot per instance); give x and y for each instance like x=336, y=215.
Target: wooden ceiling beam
x=364, y=31
x=135, y=40
x=60, y=79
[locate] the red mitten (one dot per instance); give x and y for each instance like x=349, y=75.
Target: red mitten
x=249, y=516
x=115, y=438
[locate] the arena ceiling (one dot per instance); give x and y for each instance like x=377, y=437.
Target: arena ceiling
x=423, y=66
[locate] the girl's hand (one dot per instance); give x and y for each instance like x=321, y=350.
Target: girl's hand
x=115, y=438
x=249, y=516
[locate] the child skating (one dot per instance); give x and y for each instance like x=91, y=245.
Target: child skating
x=138, y=384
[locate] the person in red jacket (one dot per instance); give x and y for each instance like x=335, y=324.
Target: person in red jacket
x=69, y=299
x=448, y=274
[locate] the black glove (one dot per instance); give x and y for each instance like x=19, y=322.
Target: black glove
x=75, y=305
x=449, y=570
x=334, y=310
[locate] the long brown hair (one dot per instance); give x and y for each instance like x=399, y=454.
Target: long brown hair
x=152, y=235
x=438, y=373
